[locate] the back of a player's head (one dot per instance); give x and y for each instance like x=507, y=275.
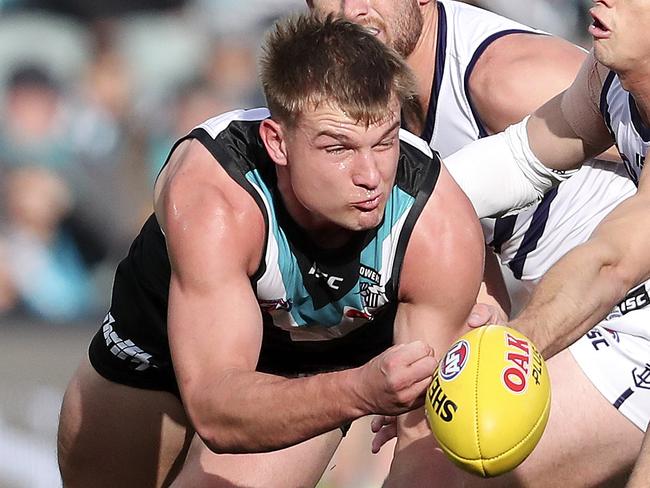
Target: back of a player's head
x=309, y=61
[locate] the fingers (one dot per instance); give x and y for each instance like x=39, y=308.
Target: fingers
x=483, y=314
x=411, y=352
x=418, y=390
x=379, y=421
x=408, y=364
x=383, y=436
x=421, y=370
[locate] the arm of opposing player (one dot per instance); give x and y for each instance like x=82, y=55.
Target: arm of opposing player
x=518, y=73
x=440, y=280
x=583, y=286
x=511, y=170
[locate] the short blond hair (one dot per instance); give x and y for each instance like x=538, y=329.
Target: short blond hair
x=309, y=60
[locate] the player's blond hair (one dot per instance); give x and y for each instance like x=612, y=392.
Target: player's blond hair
x=308, y=61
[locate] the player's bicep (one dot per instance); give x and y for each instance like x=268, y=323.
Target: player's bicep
x=443, y=269
x=213, y=318
x=212, y=330
x=214, y=322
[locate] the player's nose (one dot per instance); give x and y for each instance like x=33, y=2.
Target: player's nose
x=354, y=9
x=366, y=172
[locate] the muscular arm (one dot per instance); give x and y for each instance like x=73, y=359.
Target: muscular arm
x=440, y=279
x=518, y=73
x=583, y=286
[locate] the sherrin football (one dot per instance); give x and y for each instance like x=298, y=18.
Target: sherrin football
x=489, y=400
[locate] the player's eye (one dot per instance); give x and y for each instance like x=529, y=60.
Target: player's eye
x=335, y=149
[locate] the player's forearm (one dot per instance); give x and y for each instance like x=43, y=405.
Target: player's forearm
x=246, y=411
x=573, y=296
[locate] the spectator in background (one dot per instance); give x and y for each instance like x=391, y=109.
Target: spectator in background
x=46, y=267
x=33, y=127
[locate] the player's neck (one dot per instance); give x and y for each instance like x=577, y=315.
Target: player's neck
x=423, y=58
x=638, y=85
x=319, y=230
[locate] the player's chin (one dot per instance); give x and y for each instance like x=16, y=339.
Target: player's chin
x=366, y=220
x=604, y=54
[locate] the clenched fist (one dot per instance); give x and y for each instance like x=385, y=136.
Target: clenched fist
x=395, y=381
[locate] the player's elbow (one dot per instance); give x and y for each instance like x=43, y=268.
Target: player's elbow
x=221, y=441
x=221, y=434
x=619, y=269
x=215, y=421
x=626, y=274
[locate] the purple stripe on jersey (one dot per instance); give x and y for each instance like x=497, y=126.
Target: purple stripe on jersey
x=439, y=70
x=533, y=234
x=482, y=131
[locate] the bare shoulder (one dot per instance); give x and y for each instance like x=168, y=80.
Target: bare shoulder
x=517, y=73
x=446, y=248
x=196, y=201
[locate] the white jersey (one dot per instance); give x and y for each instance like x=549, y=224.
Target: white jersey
x=622, y=118
x=533, y=240
x=464, y=32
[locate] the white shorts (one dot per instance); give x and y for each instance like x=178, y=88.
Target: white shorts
x=618, y=364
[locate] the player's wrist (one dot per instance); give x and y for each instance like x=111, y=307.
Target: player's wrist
x=355, y=384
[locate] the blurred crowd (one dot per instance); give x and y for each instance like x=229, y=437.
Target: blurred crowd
x=93, y=93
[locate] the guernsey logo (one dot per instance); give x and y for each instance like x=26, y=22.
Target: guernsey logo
x=455, y=360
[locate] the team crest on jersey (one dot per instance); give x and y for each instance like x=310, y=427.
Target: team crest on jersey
x=373, y=294
x=642, y=377
x=455, y=360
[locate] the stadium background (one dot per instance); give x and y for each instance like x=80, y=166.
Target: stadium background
x=92, y=94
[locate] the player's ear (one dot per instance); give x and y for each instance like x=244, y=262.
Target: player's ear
x=273, y=137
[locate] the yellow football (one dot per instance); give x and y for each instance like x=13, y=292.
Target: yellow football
x=489, y=400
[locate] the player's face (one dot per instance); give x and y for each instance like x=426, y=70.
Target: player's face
x=620, y=32
x=339, y=171
x=398, y=23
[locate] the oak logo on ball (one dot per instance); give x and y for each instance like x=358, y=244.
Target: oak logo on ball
x=518, y=356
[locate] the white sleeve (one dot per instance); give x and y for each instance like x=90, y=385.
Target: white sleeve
x=500, y=174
